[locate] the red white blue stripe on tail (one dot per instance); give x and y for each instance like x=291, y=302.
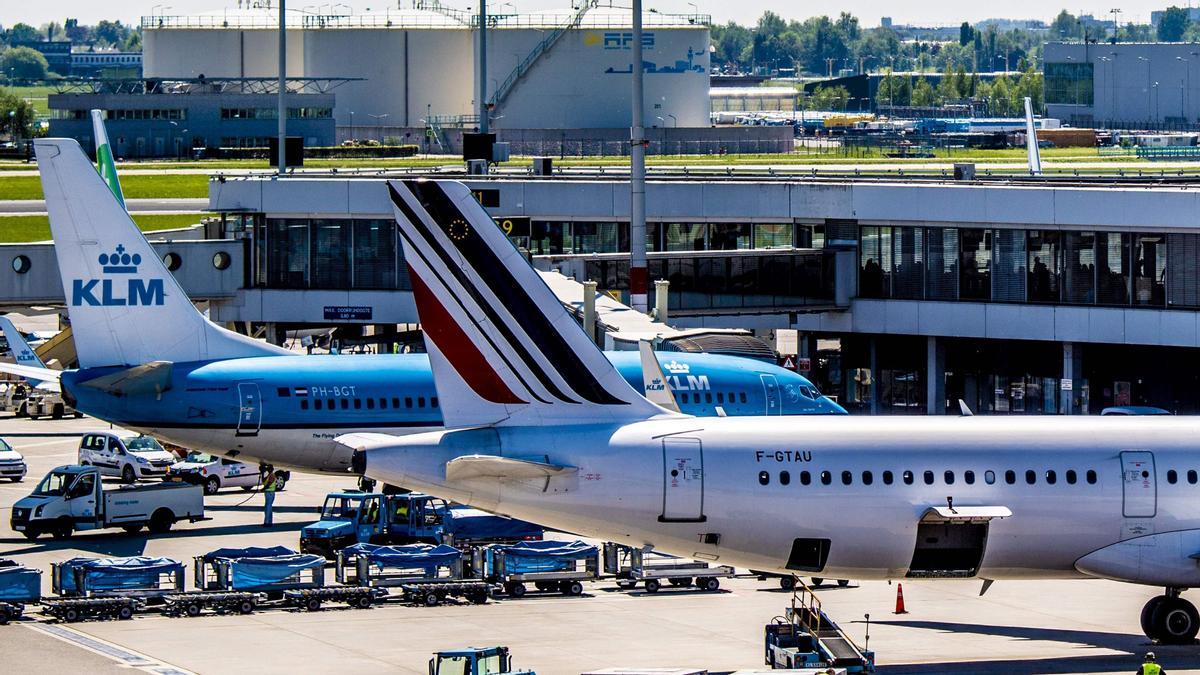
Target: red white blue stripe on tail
x=502, y=347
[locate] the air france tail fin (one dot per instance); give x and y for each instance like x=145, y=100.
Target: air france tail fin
x=126, y=309
x=104, y=157
x=504, y=350
x=28, y=365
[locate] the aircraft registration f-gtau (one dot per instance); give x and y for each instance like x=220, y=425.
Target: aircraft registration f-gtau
x=152, y=363
x=541, y=427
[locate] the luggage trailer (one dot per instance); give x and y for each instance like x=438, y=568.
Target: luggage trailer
x=423, y=577
x=19, y=586
x=110, y=588
x=633, y=565
x=548, y=573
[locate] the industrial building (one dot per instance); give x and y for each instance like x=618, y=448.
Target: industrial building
x=546, y=70
x=1123, y=85
x=173, y=118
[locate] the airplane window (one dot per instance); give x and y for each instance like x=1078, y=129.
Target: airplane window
x=1010, y=476
x=1091, y=477
x=304, y=404
x=928, y=476
x=847, y=478
x=1191, y=476
x=420, y=401
x=741, y=396
x=763, y=478
x=1172, y=477
x=1051, y=477
x=382, y=403
x=805, y=478
x=708, y=397
x=1030, y=476
x=826, y=478
x=370, y=404
x=345, y=404
x=317, y=403
x=806, y=392
x=720, y=397
x=867, y=478
x=407, y=401
x=969, y=477
x=785, y=478
x=358, y=404
x=433, y=402
x=331, y=404
x=908, y=478
x=948, y=477
x=395, y=402
x=683, y=397
x=989, y=477
x=887, y=477
x=1071, y=477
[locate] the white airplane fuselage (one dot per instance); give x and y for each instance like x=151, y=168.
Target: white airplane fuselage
x=1110, y=510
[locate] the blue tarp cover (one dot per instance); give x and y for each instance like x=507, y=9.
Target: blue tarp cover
x=424, y=556
x=250, y=573
x=20, y=584
x=570, y=550
x=67, y=572
x=112, y=574
x=248, y=552
x=468, y=524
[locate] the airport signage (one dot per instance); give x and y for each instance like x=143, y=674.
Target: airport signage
x=339, y=313
x=515, y=227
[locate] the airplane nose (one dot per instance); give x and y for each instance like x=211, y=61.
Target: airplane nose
x=358, y=462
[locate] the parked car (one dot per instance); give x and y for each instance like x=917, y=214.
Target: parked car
x=12, y=464
x=125, y=454
x=214, y=473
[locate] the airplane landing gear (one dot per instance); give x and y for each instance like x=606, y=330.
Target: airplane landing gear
x=366, y=484
x=1170, y=619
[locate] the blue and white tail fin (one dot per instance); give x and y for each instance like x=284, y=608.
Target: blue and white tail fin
x=126, y=309
x=28, y=365
x=503, y=348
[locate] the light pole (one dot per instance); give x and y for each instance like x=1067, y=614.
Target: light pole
x=281, y=104
x=351, y=125
x=1154, y=88
x=379, y=123
x=674, y=120
x=1143, y=58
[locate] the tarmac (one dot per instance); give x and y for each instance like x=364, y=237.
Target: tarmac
x=1082, y=626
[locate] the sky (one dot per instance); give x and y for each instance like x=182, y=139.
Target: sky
x=744, y=11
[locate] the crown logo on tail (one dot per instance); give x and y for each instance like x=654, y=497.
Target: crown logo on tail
x=120, y=262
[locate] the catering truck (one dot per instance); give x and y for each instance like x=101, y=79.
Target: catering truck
x=72, y=498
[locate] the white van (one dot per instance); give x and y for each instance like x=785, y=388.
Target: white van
x=124, y=453
x=214, y=473
x=12, y=464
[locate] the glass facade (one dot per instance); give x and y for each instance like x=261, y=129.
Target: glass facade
x=328, y=253
x=1069, y=83
x=1034, y=266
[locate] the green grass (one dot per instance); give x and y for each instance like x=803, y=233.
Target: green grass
x=36, y=95
x=17, y=229
x=135, y=186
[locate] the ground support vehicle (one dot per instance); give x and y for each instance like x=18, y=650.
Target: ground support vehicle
x=254, y=569
x=360, y=597
x=80, y=609
x=74, y=498
x=192, y=603
x=424, y=574
x=633, y=565
x=213, y=473
x=142, y=577
x=48, y=404
x=474, y=661
x=15, y=399
x=19, y=586
x=805, y=637
x=551, y=566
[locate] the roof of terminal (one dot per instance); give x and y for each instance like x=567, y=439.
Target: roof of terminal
x=417, y=15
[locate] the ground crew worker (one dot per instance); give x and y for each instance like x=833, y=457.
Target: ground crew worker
x=270, y=483
x=372, y=516
x=1151, y=667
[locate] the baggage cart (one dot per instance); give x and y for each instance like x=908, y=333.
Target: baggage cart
x=394, y=566
x=192, y=603
x=19, y=586
x=80, y=609
x=150, y=579
x=312, y=599
x=551, y=566
x=270, y=570
x=634, y=565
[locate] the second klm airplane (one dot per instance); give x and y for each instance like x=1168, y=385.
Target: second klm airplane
x=149, y=361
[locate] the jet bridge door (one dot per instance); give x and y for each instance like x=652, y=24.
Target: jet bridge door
x=683, y=481
x=1138, y=485
x=249, y=409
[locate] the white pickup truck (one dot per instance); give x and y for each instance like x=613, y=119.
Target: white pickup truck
x=73, y=498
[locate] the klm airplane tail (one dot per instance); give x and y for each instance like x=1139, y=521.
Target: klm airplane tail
x=28, y=365
x=104, y=157
x=126, y=309
x=504, y=350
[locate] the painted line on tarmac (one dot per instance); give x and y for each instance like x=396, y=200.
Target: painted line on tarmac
x=39, y=445
x=44, y=434
x=119, y=654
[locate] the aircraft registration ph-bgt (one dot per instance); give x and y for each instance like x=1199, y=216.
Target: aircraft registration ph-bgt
x=842, y=497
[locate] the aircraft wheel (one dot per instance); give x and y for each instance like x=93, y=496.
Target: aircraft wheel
x=843, y=582
x=1148, y=616
x=1176, y=621
x=817, y=581
x=787, y=583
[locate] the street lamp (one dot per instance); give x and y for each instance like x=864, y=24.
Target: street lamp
x=674, y=120
x=1143, y=58
x=352, y=125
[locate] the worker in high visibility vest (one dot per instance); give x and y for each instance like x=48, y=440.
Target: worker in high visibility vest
x=1150, y=666
x=270, y=485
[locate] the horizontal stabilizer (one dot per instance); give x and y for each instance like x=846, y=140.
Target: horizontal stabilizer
x=148, y=378
x=502, y=468
x=42, y=378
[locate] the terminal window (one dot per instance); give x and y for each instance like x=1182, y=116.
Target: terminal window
x=1069, y=83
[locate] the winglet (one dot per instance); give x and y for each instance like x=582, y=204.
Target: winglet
x=658, y=389
x=503, y=349
x=964, y=408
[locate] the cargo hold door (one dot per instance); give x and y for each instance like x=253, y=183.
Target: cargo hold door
x=951, y=541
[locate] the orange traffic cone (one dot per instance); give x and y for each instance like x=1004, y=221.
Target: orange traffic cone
x=900, y=599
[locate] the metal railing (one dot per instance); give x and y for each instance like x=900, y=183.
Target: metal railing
x=422, y=15
x=540, y=48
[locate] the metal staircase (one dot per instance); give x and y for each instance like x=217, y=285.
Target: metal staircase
x=807, y=637
x=538, y=50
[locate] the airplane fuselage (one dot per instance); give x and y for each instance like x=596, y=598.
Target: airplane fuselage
x=1116, y=498
x=287, y=410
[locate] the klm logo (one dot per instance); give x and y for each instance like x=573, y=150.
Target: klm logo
x=25, y=355
x=111, y=292
x=656, y=385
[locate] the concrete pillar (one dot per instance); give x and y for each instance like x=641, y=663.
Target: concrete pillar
x=1072, y=374
x=274, y=335
x=589, y=309
x=873, y=390
x=935, y=376
x=661, y=297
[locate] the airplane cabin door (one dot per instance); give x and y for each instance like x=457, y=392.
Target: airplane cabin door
x=1138, y=485
x=683, y=481
x=249, y=409
x=771, y=393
